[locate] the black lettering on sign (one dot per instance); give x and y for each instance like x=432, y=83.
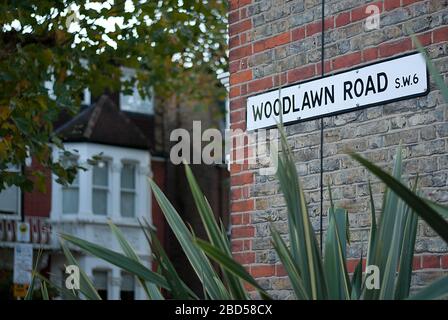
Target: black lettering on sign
x=258, y=112
x=266, y=113
x=348, y=85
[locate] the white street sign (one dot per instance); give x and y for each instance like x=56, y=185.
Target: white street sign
x=23, y=263
x=378, y=83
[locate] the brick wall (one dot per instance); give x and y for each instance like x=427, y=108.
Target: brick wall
x=279, y=42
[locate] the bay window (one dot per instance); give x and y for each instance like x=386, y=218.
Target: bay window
x=100, y=188
x=127, y=196
x=70, y=193
x=10, y=197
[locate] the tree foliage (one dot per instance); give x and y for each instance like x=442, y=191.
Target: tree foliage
x=175, y=46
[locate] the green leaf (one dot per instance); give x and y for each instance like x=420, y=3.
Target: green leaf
x=197, y=258
x=44, y=291
x=288, y=263
x=85, y=284
x=304, y=248
x=428, y=214
x=215, y=234
x=438, y=79
x=179, y=290
x=356, y=284
x=436, y=290
x=130, y=253
x=335, y=268
x=118, y=260
x=230, y=265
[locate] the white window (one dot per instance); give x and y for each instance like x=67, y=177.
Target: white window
x=70, y=193
x=128, y=192
x=133, y=101
x=10, y=197
x=127, y=286
x=100, y=283
x=100, y=188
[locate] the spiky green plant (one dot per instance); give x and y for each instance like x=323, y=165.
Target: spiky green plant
x=312, y=275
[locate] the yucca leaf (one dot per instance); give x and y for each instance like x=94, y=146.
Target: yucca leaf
x=356, y=284
x=197, y=258
x=406, y=259
x=86, y=286
x=304, y=248
x=440, y=209
x=214, y=233
x=372, y=234
x=44, y=291
x=289, y=265
x=230, y=265
x=438, y=79
x=29, y=293
x=130, y=253
x=387, y=290
x=428, y=214
x=335, y=269
x=118, y=260
x=67, y=294
x=436, y=290
x=178, y=289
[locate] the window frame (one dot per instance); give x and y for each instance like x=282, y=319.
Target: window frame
x=135, y=164
x=107, y=188
x=16, y=215
x=71, y=186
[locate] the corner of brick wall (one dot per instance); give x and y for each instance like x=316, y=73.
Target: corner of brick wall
x=278, y=42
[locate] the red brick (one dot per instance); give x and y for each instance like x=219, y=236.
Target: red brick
x=417, y=263
x=237, y=103
x=243, y=232
x=342, y=19
x=444, y=261
x=301, y=73
x=370, y=54
x=392, y=48
x=237, y=245
x=234, y=91
x=424, y=39
x=430, y=261
x=360, y=12
x=239, y=77
x=236, y=219
x=313, y=28
x=236, y=194
x=260, y=84
x=240, y=27
x=280, y=270
x=234, y=16
x=280, y=79
x=233, y=4
x=327, y=67
x=298, y=34
x=234, y=41
x=347, y=60
x=391, y=4
x=243, y=178
x=329, y=23
x=408, y=2
x=272, y=42
x=244, y=257
x=440, y=35
x=243, y=3
x=351, y=265
x=240, y=52
x=260, y=271
x=242, y=206
x=234, y=66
